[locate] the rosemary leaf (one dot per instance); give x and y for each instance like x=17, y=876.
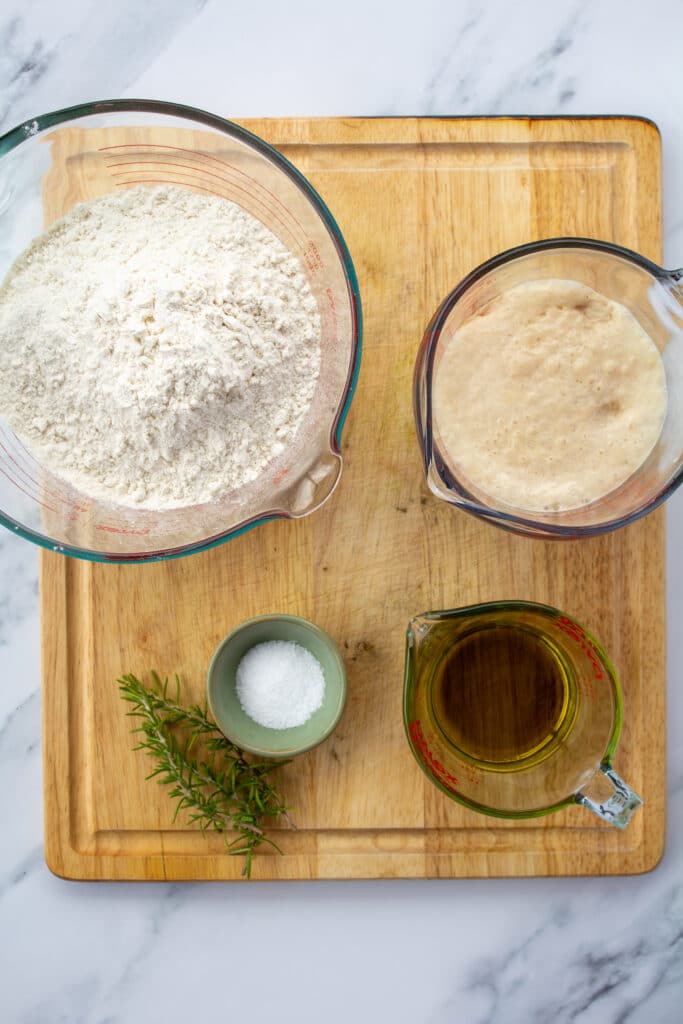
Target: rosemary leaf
x=223, y=793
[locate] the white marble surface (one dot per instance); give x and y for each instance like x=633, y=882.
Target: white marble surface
x=515, y=952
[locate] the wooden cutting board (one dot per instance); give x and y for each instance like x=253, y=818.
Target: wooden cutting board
x=420, y=203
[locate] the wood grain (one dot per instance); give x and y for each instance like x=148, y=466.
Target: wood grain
x=420, y=202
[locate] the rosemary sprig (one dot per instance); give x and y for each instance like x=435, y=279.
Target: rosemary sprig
x=223, y=791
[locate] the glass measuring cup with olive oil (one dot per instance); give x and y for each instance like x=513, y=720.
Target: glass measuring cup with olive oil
x=514, y=710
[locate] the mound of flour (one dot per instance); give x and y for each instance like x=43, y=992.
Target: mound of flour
x=157, y=347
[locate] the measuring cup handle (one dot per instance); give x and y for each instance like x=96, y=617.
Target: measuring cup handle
x=675, y=279
x=618, y=807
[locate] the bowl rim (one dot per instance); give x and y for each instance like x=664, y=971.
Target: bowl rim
x=449, y=488
x=34, y=127
x=333, y=648
x=485, y=607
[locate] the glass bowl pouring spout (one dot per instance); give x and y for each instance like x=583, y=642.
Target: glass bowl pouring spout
x=67, y=156
x=652, y=295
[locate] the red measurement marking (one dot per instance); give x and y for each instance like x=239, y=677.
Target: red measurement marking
x=333, y=310
x=437, y=769
x=27, y=493
x=30, y=479
x=231, y=184
x=118, y=529
x=312, y=258
x=23, y=473
x=215, y=159
x=211, y=191
x=578, y=635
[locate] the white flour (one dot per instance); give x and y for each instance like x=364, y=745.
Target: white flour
x=157, y=347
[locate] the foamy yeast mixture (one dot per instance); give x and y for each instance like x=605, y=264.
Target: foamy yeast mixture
x=549, y=397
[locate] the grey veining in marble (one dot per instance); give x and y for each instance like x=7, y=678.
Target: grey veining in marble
x=585, y=951
x=54, y=55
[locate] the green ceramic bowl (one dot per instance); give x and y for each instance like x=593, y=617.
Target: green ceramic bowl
x=226, y=708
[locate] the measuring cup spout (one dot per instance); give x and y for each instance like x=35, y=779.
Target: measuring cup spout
x=618, y=806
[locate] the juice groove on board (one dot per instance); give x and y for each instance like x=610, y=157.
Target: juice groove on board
x=381, y=550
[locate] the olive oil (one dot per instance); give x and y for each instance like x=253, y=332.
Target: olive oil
x=502, y=694
x=513, y=709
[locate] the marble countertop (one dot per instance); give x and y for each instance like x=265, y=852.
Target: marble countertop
x=474, y=952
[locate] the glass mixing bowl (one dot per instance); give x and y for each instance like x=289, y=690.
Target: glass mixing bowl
x=49, y=164
x=655, y=298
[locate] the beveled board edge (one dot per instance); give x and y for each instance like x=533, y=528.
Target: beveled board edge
x=67, y=862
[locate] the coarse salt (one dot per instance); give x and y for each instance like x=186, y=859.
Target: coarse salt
x=279, y=684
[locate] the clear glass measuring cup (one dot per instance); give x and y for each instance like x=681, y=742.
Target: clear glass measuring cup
x=56, y=160
x=655, y=298
x=542, y=737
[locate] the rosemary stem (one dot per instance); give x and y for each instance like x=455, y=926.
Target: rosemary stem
x=224, y=793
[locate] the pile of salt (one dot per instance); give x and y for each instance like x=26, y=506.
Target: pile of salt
x=279, y=684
